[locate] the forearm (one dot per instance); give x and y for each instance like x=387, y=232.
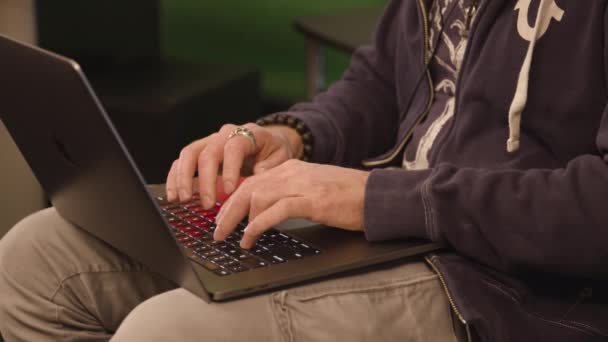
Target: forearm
x=513, y=220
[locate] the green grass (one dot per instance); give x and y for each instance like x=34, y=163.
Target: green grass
x=258, y=33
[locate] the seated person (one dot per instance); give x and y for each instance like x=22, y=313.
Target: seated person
x=498, y=150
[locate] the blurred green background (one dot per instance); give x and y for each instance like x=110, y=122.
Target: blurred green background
x=258, y=33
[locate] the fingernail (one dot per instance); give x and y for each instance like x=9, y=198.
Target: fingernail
x=228, y=187
x=170, y=194
x=244, y=245
x=184, y=195
x=207, y=202
x=217, y=235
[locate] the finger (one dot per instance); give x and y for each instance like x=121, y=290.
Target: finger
x=186, y=166
x=234, y=210
x=208, y=166
x=266, y=192
x=235, y=151
x=286, y=208
x=262, y=200
x=171, y=183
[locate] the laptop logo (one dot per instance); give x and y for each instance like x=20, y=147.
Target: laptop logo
x=63, y=151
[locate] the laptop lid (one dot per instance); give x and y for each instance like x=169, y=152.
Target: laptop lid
x=66, y=137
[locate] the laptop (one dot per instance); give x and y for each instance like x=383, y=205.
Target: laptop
x=75, y=152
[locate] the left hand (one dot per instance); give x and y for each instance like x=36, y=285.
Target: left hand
x=329, y=195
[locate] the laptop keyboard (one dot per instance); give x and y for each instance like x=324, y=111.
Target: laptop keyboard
x=193, y=227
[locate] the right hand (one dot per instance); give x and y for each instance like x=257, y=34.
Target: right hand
x=275, y=145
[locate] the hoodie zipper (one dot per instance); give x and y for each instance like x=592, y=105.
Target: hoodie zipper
x=423, y=114
x=429, y=259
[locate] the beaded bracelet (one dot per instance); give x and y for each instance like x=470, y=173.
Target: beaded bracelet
x=295, y=123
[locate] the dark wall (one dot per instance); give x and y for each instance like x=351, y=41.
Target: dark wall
x=255, y=32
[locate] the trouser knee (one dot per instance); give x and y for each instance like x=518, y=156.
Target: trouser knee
x=45, y=248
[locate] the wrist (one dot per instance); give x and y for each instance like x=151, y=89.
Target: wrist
x=291, y=137
x=301, y=143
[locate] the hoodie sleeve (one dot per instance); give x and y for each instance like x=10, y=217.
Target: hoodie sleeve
x=360, y=110
x=514, y=220
x=548, y=220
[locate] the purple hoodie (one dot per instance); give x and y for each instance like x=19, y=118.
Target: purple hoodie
x=517, y=178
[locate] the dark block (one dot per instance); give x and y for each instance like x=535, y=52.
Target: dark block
x=98, y=32
x=158, y=108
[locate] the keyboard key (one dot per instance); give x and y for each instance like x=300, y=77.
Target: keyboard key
x=177, y=210
x=209, y=215
x=253, y=262
x=220, y=259
x=166, y=206
x=194, y=219
x=233, y=252
x=194, y=204
x=271, y=233
x=236, y=268
x=202, y=225
x=185, y=229
x=242, y=255
x=224, y=248
x=193, y=244
x=177, y=223
x=198, y=210
x=233, y=239
x=306, y=250
x=206, y=264
x=211, y=253
x=205, y=237
x=277, y=259
x=222, y=272
x=229, y=263
x=270, y=245
x=217, y=243
x=284, y=252
x=195, y=234
x=282, y=238
x=202, y=249
x=265, y=255
x=184, y=239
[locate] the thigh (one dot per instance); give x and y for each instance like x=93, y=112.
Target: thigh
x=60, y=283
x=178, y=315
x=404, y=302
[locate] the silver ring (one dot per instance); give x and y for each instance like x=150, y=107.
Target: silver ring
x=246, y=132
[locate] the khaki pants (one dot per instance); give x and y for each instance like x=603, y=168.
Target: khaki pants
x=58, y=283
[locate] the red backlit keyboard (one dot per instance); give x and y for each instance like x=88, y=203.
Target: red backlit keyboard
x=193, y=227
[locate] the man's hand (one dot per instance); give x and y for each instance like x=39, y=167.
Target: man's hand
x=275, y=145
x=325, y=194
